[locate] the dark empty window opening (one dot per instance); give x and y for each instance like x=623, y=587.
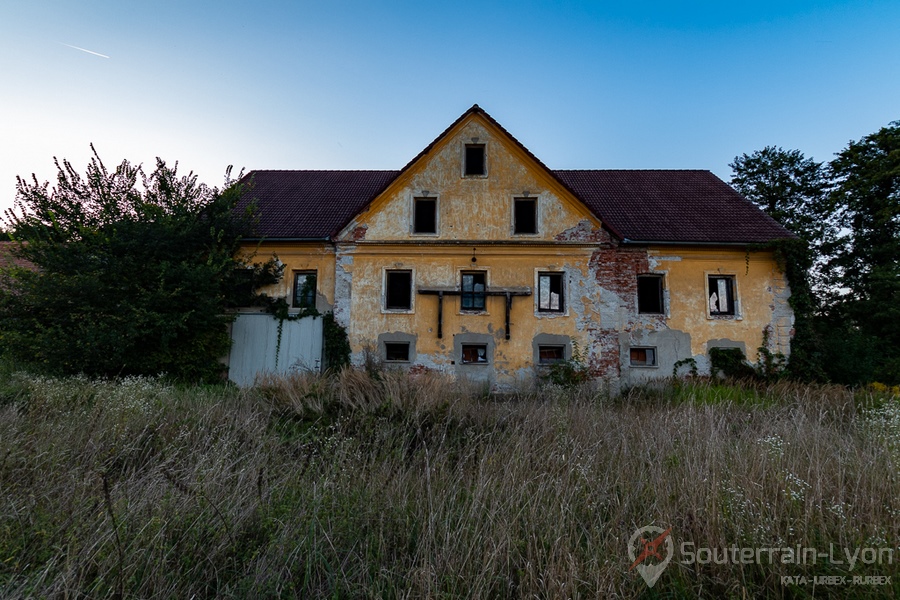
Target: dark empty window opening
x=398, y=292
x=550, y=292
x=475, y=159
x=474, y=354
x=425, y=215
x=305, y=289
x=547, y=355
x=396, y=351
x=721, y=295
x=473, y=291
x=650, y=294
x=525, y=215
x=643, y=357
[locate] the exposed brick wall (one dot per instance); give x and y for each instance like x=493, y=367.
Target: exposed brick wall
x=615, y=270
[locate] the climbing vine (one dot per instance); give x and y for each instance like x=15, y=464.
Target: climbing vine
x=795, y=259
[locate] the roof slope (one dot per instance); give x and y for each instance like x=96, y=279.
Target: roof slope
x=671, y=206
x=309, y=204
x=642, y=206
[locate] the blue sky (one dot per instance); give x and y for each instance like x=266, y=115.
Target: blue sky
x=367, y=85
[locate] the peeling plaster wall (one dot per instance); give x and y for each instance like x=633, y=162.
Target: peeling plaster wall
x=441, y=267
x=475, y=232
x=473, y=207
x=762, y=300
x=298, y=256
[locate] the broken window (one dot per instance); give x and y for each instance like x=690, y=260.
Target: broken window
x=474, y=354
x=396, y=351
x=473, y=291
x=548, y=355
x=425, y=215
x=525, y=215
x=643, y=357
x=475, y=164
x=304, y=289
x=650, y=294
x=721, y=295
x=398, y=290
x=550, y=292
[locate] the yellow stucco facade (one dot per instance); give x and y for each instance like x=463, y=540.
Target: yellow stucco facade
x=477, y=261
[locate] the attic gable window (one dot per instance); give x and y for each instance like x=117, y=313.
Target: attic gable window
x=475, y=164
x=425, y=215
x=525, y=216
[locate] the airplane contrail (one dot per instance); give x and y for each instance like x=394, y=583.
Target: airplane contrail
x=84, y=50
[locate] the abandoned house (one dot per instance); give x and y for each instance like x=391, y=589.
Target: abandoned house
x=477, y=260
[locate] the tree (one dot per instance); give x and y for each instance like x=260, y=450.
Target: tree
x=790, y=188
x=133, y=272
x=866, y=261
x=793, y=190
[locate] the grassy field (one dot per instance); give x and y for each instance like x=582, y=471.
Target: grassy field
x=359, y=485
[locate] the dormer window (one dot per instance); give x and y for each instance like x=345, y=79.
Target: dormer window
x=475, y=164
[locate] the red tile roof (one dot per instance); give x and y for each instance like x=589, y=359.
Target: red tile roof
x=671, y=206
x=640, y=206
x=635, y=205
x=310, y=204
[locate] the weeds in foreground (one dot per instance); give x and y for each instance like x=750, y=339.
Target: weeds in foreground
x=393, y=486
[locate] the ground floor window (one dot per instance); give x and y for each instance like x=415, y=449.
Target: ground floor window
x=547, y=355
x=474, y=354
x=396, y=351
x=643, y=357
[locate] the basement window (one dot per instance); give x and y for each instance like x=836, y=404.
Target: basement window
x=304, y=289
x=398, y=290
x=396, y=351
x=474, y=354
x=525, y=216
x=425, y=215
x=473, y=291
x=475, y=165
x=720, y=295
x=550, y=292
x=650, y=294
x=643, y=357
x=548, y=355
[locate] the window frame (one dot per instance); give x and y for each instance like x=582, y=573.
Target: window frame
x=533, y=200
x=644, y=365
x=563, y=305
x=310, y=300
x=562, y=359
x=465, y=160
x=414, y=216
x=733, y=311
x=476, y=346
x=385, y=308
x=463, y=294
x=662, y=295
x=387, y=353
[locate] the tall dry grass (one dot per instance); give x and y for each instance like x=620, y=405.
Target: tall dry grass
x=386, y=486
